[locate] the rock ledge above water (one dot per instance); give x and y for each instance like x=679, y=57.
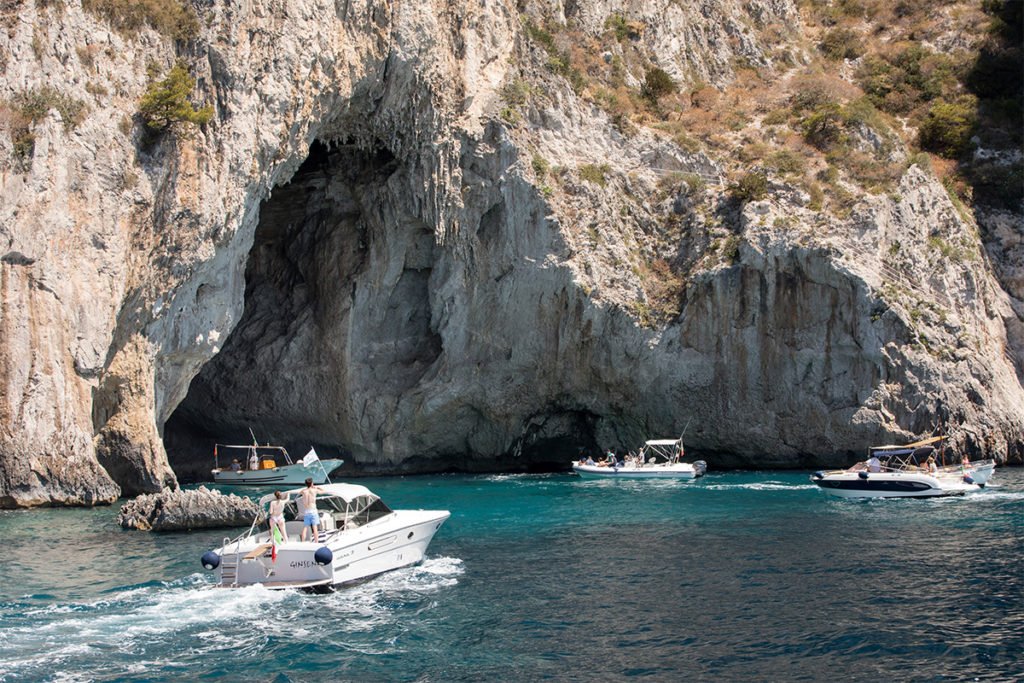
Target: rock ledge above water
x=182, y=510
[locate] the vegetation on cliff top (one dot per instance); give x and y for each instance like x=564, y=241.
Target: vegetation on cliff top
x=843, y=107
x=171, y=18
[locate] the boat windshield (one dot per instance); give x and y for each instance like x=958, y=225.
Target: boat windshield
x=360, y=509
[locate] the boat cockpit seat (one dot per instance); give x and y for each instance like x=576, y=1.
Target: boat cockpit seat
x=342, y=523
x=326, y=521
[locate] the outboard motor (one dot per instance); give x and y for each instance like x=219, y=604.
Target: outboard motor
x=323, y=555
x=700, y=467
x=210, y=560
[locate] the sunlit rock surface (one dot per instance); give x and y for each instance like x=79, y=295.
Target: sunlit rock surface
x=183, y=509
x=357, y=254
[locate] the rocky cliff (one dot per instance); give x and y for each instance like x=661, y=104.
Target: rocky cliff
x=413, y=234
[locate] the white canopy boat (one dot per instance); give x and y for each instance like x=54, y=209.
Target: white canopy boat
x=359, y=538
x=658, y=459
x=269, y=466
x=905, y=472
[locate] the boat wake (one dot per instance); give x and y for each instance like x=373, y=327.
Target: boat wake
x=139, y=629
x=761, y=486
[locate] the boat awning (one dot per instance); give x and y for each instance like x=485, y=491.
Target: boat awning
x=909, y=446
x=662, y=442
x=347, y=492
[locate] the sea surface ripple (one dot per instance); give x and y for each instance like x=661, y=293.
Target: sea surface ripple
x=736, y=576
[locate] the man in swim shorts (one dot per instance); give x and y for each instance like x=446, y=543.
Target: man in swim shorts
x=311, y=517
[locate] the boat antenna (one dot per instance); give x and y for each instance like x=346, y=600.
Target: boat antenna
x=685, y=428
x=676, y=456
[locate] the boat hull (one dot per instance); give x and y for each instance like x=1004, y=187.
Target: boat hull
x=284, y=476
x=356, y=554
x=678, y=471
x=847, y=484
x=979, y=472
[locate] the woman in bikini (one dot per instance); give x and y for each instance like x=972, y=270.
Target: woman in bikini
x=277, y=515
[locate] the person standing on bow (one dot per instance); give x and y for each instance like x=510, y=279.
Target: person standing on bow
x=311, y=518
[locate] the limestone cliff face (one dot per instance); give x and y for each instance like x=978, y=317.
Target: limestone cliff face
x=358, y=253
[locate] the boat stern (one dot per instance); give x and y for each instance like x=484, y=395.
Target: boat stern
x=292, y=565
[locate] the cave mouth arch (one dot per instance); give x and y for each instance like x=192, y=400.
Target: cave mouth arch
x=340, y=330
x=281, y=370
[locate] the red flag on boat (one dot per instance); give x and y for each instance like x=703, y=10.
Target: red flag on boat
x=273, y=548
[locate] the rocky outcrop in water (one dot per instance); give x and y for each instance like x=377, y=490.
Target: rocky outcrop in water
x=182, y=510
x=375, y=248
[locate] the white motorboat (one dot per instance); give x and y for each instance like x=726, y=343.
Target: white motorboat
x=359, y=538
x=905, y=472
x=269, y=466
x=657, y=459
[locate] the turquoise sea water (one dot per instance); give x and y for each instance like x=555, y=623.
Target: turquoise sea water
x=737, y=576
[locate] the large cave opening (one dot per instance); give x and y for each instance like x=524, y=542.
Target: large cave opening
x=284, y=371
x=365, y=338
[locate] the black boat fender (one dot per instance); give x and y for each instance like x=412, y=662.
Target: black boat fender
x=210, y=560
x=323, y=555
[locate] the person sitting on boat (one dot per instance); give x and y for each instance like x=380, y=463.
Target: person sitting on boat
x=236, y=466
x=589, y=461
x=310, y=517
x=612, y=460
x=254, y=461
x=932, y=467
x=277, y=515
x=874, y=464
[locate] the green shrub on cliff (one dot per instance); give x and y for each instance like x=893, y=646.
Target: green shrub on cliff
x=657, y=83
x=947, y=127
x=841, y=43
x=595, y=173
x=166, y=102
x=750, y=188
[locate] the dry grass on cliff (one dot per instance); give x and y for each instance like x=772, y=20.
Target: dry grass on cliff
x=171, y=18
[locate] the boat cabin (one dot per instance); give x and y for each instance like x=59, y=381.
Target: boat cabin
x=267, y=456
